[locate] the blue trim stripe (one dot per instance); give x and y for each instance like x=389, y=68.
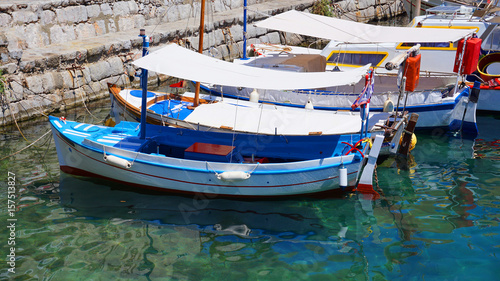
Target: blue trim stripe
x=414, y=108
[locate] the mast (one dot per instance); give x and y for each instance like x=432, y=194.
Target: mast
x=245, y=29
x=417, y=8
x=200, y=50
x=144, y=84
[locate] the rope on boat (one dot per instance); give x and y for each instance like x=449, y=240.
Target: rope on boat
x=31, y=144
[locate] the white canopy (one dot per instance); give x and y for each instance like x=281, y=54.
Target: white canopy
x=269, y=119
x=355, y=32
x=180, y=62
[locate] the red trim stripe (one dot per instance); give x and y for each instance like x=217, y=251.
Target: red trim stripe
x=332, y=193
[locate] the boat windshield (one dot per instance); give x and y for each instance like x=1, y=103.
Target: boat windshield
x=492, y=42
x=428, y=45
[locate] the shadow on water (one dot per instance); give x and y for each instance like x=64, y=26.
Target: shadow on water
x=103, y=199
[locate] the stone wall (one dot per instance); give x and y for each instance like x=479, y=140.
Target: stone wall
x=367, y=10
x=43, y=23
x=57, y=54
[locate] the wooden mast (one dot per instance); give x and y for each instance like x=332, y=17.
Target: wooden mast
x=200, y=50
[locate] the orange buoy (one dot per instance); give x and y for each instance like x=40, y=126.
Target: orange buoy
x=412, y=71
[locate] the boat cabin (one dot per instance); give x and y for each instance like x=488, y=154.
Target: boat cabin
x=437, y=57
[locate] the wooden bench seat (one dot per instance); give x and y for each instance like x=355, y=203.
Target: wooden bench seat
x=209, y=152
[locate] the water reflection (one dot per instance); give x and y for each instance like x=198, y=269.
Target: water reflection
x=147, y=233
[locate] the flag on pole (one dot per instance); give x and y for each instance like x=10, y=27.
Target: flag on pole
x=366, y=94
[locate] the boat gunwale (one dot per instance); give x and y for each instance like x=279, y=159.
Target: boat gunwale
x=333, y=161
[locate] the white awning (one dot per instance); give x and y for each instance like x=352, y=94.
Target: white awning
x=180, y=62
x=269, y=119
x=355, y=32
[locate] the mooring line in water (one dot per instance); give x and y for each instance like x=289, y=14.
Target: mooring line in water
x=15, y=121
x=379, y=190
x=26, y=146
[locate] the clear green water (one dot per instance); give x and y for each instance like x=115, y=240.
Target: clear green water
x=439, y=220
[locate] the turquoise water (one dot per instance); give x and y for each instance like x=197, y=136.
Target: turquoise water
x=437, y=220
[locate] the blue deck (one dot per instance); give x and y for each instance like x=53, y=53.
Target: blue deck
x=172, y=108
x=173, y=142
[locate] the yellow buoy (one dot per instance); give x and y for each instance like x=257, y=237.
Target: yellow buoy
x=110, y=122
x=413, y=141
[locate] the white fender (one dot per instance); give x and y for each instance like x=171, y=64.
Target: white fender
x=254, y=96
x=233, y=176
x=309, y=105
x=343, y=176
x=366, y=178
x=388, y=105
x=117, y=161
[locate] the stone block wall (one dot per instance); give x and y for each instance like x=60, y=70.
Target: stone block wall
x=44, y=23
x=367, y=10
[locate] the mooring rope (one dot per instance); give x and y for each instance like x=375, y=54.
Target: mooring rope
x=26, y=146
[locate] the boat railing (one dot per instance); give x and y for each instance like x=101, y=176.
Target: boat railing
x=452, y=11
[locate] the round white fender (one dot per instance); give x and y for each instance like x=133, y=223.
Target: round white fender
x=233, y=176
x=254, y=96
x=388, y=105
x=117, y=161
x=309, y=105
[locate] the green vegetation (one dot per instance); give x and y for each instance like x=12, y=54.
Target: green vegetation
x=2, y=83
x=323, y=8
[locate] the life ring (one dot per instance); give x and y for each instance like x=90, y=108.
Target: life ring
x=486, y=62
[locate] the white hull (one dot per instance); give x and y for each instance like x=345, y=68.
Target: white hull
x=250, y=117
x=434, y=110
x=489, y=100
x=190, y=176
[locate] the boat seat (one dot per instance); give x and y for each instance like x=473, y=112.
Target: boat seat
x=128, y=143
x=209, y=152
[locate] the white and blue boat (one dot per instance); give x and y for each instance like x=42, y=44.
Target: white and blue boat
x=189, y=161
x=233, y=115
x=437, y=98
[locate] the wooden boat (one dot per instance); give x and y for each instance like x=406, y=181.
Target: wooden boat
x=240, y=116
x=189, y=161
x=229, y=115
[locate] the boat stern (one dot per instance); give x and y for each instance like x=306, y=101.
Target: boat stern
x=463, y=117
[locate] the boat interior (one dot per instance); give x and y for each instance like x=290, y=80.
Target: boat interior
x=225, y=147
